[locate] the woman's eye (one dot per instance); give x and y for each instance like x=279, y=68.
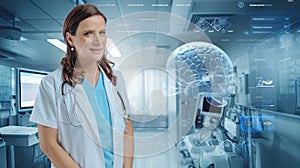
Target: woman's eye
x=102, y=32
x=87, y=34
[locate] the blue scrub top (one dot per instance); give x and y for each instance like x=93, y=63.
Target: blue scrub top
x=99, y=102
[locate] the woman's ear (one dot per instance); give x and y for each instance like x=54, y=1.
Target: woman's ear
x=69, y=38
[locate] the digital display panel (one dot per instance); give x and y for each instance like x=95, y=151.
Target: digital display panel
x=28, y=86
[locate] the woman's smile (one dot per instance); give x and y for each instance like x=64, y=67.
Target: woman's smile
x=96, y=50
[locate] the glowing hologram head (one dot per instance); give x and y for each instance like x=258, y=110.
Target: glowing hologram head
x=201, y=69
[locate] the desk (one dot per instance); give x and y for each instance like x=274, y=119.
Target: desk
x=18, y=136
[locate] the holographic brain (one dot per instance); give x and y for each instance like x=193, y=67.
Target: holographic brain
x=202, y=68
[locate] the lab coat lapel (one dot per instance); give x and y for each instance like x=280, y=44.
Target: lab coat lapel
x=117, y=121
x=89, y=123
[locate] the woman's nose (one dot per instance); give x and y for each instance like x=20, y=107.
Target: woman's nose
x=97, y=39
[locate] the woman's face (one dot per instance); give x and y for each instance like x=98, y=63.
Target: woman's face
x=89, y=40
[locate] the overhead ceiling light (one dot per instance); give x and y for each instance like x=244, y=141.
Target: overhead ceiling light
x=112, y=49
x=57, y=43
x=23, y=38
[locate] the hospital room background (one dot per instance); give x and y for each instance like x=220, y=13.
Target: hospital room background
x=257, y=126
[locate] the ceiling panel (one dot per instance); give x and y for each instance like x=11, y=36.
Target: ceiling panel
x=45, y=24
x=34, y=35
x=24, y=26
x=55, y=35
x=57, y=9
x=23, y=9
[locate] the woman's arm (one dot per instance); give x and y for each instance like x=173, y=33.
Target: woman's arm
x=128, y=145
x=49, y=145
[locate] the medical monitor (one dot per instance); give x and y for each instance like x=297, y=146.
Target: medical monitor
x=28, y=82
x=206, y=109
x=209, y=107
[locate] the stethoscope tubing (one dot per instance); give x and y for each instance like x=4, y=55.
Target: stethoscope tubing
x=125, y=114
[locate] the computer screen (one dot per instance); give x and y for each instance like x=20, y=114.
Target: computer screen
x=28, y=82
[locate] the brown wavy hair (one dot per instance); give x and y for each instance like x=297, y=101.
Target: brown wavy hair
x=78, y=14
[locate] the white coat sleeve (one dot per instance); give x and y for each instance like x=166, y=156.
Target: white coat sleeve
x=122, y=89
x=45, y=107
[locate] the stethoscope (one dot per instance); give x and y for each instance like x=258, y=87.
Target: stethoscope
x=70, y=107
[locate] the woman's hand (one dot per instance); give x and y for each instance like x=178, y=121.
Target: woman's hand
x=50, y=146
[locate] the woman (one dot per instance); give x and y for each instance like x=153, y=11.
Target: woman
x=81, y=109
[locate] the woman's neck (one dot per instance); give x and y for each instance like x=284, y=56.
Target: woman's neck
x=91, y=74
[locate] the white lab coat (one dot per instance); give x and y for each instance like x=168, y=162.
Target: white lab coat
x=81, y=142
